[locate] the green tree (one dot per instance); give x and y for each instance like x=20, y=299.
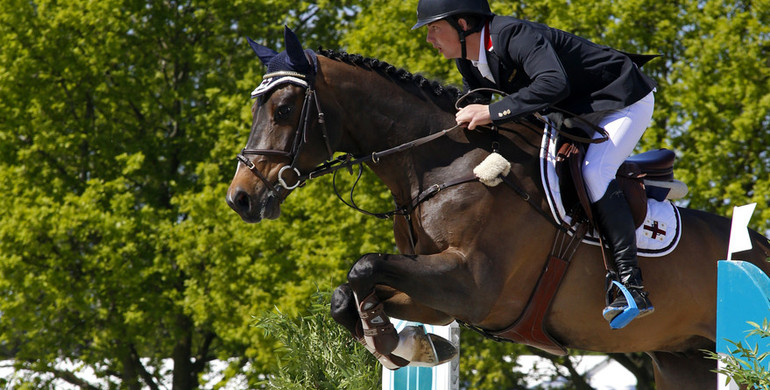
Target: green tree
x=721, y=119
x=118, y=124
x=119, y=119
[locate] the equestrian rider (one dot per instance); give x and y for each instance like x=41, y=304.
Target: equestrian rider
x=540, y=68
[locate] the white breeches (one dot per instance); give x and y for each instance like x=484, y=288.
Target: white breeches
x=625, y=128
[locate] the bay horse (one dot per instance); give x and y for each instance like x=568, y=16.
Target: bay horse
x=468, y=252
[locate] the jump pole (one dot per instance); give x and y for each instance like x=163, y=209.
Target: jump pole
x=743, y=294
x=442, y=377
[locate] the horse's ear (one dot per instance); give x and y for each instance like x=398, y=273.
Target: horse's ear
x=295, y=51
x=264, y=53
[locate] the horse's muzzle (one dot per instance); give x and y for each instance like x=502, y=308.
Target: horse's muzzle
x=253, y=209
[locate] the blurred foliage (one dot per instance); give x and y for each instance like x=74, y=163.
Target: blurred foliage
x=316, y=353
x=745, y=365
x=119, y=120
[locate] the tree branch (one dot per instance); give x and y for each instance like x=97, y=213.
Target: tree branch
x=60, y=374
x=202, y=357
x=146, y=376
x=640, y=368
x=575, y=377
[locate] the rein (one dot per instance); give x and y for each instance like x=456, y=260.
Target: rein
x=330, y=166
x=563, y=118
x=348, y=160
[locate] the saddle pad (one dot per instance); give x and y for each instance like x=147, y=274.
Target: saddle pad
x=658, y=235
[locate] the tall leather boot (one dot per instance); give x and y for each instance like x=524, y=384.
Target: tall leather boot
x=616, y=223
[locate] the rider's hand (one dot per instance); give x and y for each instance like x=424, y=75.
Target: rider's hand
x=473, y=115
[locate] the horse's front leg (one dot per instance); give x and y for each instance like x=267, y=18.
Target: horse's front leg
x=344, y=310
x=442, y=282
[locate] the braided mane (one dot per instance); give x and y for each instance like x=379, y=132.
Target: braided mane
x=397, y=74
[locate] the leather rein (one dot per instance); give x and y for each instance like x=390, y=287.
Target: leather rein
x=528, y=328
x=333, y=165
x=348, y=160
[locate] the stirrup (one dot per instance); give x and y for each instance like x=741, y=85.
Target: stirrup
x=628, y=314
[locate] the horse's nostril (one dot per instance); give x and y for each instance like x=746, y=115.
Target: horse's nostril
x=239, y=201
x=242, y=200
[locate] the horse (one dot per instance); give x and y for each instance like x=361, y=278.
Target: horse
x=468, y=251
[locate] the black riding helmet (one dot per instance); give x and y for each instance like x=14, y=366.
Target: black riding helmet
x=429, y=11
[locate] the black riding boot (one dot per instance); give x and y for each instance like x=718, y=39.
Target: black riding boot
x=616, y=223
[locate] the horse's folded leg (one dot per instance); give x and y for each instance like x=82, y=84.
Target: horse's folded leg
x=378, y=330
x=423, y=349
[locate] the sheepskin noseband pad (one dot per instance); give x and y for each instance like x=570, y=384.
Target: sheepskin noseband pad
x=490, y=170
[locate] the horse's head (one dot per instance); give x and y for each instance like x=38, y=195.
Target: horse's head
x=285, y=139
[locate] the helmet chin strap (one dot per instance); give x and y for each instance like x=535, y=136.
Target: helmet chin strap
x=463, y=33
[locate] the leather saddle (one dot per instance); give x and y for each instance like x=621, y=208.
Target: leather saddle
x=646, y=175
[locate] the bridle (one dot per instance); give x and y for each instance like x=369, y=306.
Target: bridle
x=348, y=160
x=300, y=136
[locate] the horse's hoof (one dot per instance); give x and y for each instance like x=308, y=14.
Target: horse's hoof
x=422, y=349
x=445, y=350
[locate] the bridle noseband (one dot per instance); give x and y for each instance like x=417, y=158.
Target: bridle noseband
x=300, y=136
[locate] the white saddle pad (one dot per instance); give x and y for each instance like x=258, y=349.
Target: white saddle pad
x=658, y=235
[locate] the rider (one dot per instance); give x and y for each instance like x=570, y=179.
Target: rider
x=542, y=67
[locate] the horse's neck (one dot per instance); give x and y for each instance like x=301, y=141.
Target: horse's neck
x=379, y=114
x=376, y=114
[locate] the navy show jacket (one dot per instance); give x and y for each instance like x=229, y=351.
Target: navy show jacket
x=540, y=66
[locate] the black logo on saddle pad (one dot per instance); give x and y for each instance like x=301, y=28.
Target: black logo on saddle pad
x=655, y=230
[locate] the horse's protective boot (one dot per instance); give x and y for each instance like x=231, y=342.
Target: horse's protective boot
x=616, y=223
x=378, y=331
x=389, y=361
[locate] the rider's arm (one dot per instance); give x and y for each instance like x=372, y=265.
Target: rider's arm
x=526, y=47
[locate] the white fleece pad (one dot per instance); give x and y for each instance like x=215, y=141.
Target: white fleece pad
x=489, y=171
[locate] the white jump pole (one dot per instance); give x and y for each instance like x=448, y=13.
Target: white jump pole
x=442, y=377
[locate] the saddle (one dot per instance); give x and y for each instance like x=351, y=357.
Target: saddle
x=646, y=175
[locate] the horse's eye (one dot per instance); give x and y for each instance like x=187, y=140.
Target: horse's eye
x=283, y=112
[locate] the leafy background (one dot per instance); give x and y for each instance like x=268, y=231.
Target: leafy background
x=119, y=120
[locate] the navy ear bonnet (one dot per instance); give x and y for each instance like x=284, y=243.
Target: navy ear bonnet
x=282, y=62
x=293, y=65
